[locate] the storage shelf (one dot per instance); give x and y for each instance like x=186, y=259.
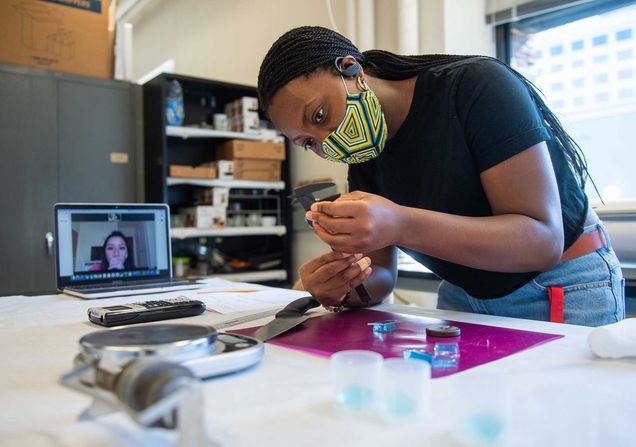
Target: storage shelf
x=210, y=183
x=185, y=233
x=198, y=132
x=263, y=275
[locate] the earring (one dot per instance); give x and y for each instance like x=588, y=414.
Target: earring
x=362, y=85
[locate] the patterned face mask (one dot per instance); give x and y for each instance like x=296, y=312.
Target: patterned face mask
x=362, y=134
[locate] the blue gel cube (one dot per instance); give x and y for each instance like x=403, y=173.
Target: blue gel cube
x=383, y=327
x=446, y=355
x=418, y=354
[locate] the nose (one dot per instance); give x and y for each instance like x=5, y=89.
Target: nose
x=322, y=135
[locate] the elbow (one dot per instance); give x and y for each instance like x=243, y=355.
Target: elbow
x=551, y=254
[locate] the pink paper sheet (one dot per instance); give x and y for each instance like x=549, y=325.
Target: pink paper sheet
x=478, y=344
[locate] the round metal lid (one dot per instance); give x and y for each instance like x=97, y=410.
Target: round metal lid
x=175, y=341
x=443, y=330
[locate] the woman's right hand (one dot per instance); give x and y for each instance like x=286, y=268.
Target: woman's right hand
x=331, y=276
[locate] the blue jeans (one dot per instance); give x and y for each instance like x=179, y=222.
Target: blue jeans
x=593, y=285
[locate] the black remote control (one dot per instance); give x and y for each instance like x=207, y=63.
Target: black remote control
x=146, y=311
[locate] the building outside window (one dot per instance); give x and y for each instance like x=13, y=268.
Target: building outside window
x=594, y=93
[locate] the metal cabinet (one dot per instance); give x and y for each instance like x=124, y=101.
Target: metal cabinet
x=62, y=138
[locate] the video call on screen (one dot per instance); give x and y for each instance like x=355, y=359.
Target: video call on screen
x=114, y=245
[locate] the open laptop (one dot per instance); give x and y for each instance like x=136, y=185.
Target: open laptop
x=108, y=250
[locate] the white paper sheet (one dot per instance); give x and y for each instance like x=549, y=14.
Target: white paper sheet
x=228, y=303
x=227, y=297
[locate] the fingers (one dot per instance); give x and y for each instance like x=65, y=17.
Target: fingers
x=333, y=225
x=335, y=296
x=329, y=277
x=341, y=259
x=338, y=208
x=349, y=243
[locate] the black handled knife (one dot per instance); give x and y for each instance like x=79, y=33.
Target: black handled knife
x=291, y=316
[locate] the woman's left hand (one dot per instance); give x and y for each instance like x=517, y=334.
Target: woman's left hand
x=357, y=222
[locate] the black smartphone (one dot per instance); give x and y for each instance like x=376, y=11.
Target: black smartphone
x=146, y=311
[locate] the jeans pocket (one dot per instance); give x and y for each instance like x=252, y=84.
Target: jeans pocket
x=591, y=287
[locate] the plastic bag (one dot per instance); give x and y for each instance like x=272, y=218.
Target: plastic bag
x=174, y=104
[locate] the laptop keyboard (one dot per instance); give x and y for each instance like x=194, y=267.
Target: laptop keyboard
x=88, y=288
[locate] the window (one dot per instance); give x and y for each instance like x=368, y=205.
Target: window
x=624, y=34
x=557, y=87
x=594, y=95
x=555, y=51
x=410, y=265
x=600, y=78
x=599, y=40
x=557, y=68
x=601, y=97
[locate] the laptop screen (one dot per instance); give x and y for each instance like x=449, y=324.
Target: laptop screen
x=111, y=243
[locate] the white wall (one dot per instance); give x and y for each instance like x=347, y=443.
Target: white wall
x=220, y=39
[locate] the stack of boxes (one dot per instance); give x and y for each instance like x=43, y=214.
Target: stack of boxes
x=250, y=160
x=243, y=116
x=210, y=210
x=234, y=159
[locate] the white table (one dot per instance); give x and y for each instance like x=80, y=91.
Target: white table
x=286, y=400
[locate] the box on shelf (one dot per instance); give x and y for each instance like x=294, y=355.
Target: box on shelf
x=241, y=106
x=217, y=196
x=206, y=216
x=208, y=170
x=70, y=36
x=264, y=170
x=248, y=122
x=266, y=150
x=226, y=169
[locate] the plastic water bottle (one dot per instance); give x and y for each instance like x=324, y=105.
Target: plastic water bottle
x=174, y=104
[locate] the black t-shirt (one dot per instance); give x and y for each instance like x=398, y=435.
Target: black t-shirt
x=466, y=116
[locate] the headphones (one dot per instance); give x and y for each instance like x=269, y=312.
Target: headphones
x=144, y=382
x=349, y=71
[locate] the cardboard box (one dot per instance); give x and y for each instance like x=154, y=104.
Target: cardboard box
x=74, y=36
x=226, y=169
x=182, y=171
x=207, y=216
x=265, y=170
x=217, y=196
x=248, y=122
x=255, y=150
x=241, y=106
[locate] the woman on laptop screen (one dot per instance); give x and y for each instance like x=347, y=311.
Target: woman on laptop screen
x=116, y=253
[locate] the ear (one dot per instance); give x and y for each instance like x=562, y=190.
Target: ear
x=348, y=66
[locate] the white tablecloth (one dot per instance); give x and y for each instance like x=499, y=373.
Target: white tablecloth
x=561, y=395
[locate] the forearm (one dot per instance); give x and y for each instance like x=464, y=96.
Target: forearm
x=504, y=243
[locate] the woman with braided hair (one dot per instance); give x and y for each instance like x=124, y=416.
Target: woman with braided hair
x=457, y=161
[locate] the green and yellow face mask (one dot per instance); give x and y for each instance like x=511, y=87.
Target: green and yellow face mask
x=362, y=134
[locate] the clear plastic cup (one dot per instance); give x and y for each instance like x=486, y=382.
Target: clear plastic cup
x=481, y=408
x=355, y=376
x=405, y=388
